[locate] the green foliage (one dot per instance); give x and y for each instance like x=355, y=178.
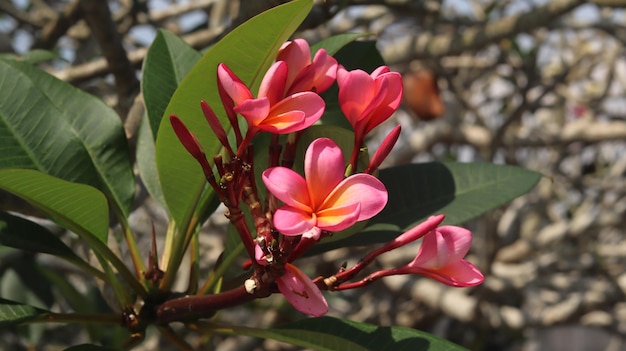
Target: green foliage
x=32, y=57
x=63, y=201
x=64, y=152
x=12, y=312
x=49, y=125
x=335, y=334
x=167, y=62
x=461, y=191
x=248, y=50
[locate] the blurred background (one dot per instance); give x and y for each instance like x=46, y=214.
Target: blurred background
x=534, y=83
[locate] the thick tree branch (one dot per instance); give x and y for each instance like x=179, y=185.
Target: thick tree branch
x=98, y=16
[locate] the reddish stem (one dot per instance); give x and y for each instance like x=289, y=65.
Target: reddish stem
x=196, y=306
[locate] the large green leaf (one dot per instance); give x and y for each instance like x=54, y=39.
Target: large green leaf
x=23, y=234
x=334, y=334
x=249, y=50
x=146, y=161
x=12, y=312
x=77, y=207
x=461, y=191
x=49, y=125
x=167, y=62
x=32, y=57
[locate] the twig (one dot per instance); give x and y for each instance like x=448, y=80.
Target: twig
x=98, y=16
x=432, y=46
x=99, y=67
x=54, y=29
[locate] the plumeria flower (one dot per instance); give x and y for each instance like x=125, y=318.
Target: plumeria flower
x=323, y=199
x=441, y=258
x=270, y=111
x=305, y=74
x=368, y=100
x=301, y=292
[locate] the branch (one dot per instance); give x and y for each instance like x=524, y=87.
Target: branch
x=34, y=18
x=587, y=131
x=434, y=46
x=98, y=16
x=55, y=29
x=99, y=67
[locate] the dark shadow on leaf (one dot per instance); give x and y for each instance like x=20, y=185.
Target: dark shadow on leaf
x=416, y=191
x=373, y=337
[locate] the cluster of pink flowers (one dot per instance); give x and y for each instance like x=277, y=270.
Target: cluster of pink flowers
x=300, y=210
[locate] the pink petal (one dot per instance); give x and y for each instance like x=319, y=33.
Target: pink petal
x=342, y=74
x=460, y=273
x=284, y=123
x=338, y=218
x=297, y=55
x=233, y=86
x=359, y=188
x=259, y=255
x=379, y=71
x=273, y=83
x=310, y=104
x=371, y=116
x=324, y=169
x=458, y=240
x=255, y=111
x=389, y=104
x=300, y=291
x=443, y=246
x=356, y=92
x=416, y=232
x=292, y=221
x=288, y=186
x=318, y=76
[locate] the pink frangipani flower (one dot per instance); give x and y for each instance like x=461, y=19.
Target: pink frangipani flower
x=441, y=258
x=271, y=112
x=368, y=100
x=303, y=74
x=323, y=199
x=301, y=292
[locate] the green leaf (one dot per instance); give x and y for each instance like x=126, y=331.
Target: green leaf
x=12, y=313
x=23, y=234
x=77, y=207
x=32, y=57
x=334, y=334
x=461, y=191
x=20, y=233
x=249, y=51
x=49, y=125
x=146, y=161
x=168, y=61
